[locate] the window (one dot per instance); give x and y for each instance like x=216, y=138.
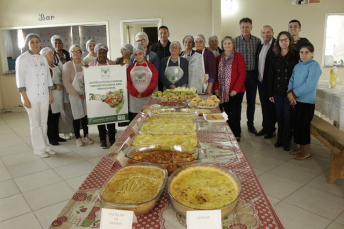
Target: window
x=334, y=42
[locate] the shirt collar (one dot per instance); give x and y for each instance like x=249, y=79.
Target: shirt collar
x=270, y=42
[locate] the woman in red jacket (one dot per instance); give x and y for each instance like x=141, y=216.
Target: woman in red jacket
x=142, y=80
x=231, y=72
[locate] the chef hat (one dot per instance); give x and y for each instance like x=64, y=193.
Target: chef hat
x=73, y=46
x=139, y=47
x=100, y=46
x=30, y=36
x=45, y=51
x=55, y=37
x=88, y=42
x=128, y=47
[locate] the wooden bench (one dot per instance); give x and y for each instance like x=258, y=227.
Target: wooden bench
x=332, y=138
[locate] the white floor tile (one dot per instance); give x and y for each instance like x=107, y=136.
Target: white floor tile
x=278, y=187
x=273, y=200
x=91, y=151
x=48, y=195
x=37, y=180
x=94, y=161
x=4, y=174
x=5, y=143
x=2, y=165
x=27, y=221
x=13, y=206
x=48, y=214
x=76, y=182
x=340, y=218
x=335, y=225
x=8, y=188
x=316, y=163
x=321, y=151
x=14, y=150
x=74, y=170
x=62, y=159
x=263, y=163
x=295, y=172
x=276, y=153
x=295, y=217
x=318, y=202
x=320, y=182
x=27, y=168
x=250, y=147
x=20, y=158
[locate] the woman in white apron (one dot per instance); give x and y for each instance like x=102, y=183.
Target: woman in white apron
x=142, y=80
x=62, y=56
x=34, y=83
x=56, y=107
x=110, y=129
x=72, y=81
x=202, y=68
x=174, y=71
x=188, y=43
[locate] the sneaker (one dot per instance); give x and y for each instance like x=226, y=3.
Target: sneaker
x=103, y=144
x=59, y=139
x=89, y=140
x=51, y=152
x=43, y=155
x=79, y=142
x=53, y=142
x=67, y=136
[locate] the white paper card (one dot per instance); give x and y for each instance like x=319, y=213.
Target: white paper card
x=119, y=219
x=204, y=219
x=139, y=120
x=136, y=129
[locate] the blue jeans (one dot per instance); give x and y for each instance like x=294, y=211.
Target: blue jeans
x=251, y=91
x=283, y=114
x=268, y=109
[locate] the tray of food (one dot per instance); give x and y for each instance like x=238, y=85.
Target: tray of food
x=210, y=102
x=157, y=110
x=166, y=139
x=175, y=117
x=172, y=104
x=200, y=111
x=168, y=128
x=134, y=188
x=203, y=187
x=167, y=157
x=174, y=97
x=216, y=117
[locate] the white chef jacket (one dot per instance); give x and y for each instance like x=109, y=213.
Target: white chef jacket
x=33, y=76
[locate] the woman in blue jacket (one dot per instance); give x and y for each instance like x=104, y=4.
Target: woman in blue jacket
x=301, y=94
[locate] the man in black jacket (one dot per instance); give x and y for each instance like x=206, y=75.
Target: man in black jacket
x=162, y=47
x=263, y=63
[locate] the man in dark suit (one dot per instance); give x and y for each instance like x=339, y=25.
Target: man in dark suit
x=264, y=53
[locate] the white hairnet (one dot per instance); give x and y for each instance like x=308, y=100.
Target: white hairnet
x=199, y=36
x=30, y=36
x=128, y=47
x=212, y=37
x=176, y=42
x=55, y=37
x=88, y=42
x=141, y=34
x=100, y=46
x=139, y=47
x=71, y=49
x=45, y=51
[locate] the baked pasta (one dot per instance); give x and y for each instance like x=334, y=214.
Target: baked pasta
x=168, y=128
x=165, y=139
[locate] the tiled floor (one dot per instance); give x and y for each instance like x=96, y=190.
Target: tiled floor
x=33, y=190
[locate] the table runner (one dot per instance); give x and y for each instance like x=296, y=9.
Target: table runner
x=254, y=210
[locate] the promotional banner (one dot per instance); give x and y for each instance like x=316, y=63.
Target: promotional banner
x=106, y=94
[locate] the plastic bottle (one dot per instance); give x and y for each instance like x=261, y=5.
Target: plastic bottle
x=333, y=75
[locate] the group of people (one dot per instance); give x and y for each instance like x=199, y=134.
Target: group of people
x=281, y=69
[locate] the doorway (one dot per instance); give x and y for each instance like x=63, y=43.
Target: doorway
x=152, y=34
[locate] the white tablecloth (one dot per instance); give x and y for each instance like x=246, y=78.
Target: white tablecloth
x=330, y=102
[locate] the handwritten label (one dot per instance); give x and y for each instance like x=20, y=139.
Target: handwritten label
x=204, y=219
x=119, y=219
x=45, y=18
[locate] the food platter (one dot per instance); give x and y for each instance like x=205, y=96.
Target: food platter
x=205, y=107
x=215, y=115
x=172, y=104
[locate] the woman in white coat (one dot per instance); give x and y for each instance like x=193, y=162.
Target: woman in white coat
x=34, y=83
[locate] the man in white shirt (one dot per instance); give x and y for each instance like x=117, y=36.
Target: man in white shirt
x=265, y=50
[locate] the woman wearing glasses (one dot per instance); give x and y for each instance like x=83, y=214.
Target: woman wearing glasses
x=174, y=71
x=126, y=51
x=281, y=68
x=72, y=80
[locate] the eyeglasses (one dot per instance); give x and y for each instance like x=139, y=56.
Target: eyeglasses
x=283, y=40
x=76, y=51
x=175, y=47
x=140, y=41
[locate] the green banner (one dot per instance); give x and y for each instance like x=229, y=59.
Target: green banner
x=108, y=119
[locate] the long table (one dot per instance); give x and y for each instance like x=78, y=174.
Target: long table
x=254, y=210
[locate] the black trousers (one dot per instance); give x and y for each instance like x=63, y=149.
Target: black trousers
x=303, y=116
x=233, y=110
x=53, y=126
x=132, y=116
x=251, y=92
x=111, y=129
x=76, y=126
x=268, y=109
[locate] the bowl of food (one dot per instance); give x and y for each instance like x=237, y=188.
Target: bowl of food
x=167, y=157
x=134, y=188
x=203, y=187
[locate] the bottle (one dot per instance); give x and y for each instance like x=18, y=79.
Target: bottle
x=333, y=75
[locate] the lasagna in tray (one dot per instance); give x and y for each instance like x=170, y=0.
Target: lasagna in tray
x=168, y=128
x=166, y=139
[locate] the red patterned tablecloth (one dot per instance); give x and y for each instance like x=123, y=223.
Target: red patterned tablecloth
x=253, y=211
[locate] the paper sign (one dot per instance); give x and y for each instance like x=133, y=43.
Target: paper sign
x=119, y=219
x=204, y=219
x=136, y=129
x=122, y=159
